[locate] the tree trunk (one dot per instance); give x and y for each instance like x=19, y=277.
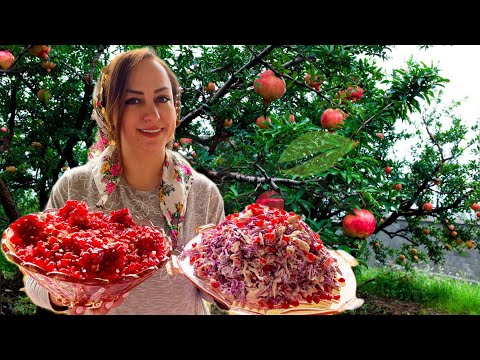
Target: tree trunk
x=7, y=202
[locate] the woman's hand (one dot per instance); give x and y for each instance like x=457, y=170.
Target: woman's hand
x=80, y=310
x=102, y=310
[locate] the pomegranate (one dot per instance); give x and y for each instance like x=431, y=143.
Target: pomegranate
x=475, y=207
x=211, y=87
x=40, y=50
x=271, y=199
x=6, y=59
x=352, y=94
x=428, y=206
x=263, y=122
x=269, y=86
x=227, y=123
x=48, y=65
x=315, y=83
x=44, y=95
x=332, y=119
x=361, y=224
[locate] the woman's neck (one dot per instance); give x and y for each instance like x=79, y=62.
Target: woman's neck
x=143, y=172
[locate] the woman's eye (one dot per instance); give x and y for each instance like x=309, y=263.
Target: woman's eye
x=132, y=101
x=163, y=99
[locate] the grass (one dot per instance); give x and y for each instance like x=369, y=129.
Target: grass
x=446, y=295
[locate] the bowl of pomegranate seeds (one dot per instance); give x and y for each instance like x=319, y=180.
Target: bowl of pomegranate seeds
x=85, y=257
x=266, y=260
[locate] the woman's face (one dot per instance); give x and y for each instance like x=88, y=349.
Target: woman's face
x=148, y=119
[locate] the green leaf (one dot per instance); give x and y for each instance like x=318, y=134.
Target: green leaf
x=314, y=152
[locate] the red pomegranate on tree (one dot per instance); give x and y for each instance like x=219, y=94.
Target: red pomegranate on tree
x=6, y=59
x=475, y=206
x=315, y=83
x=270, y=198
x=269, y=86
x=360, y=224
x=263, y=122
x=428, y=206
x=40, y=51
x=354, y=93
x=332, y=119
x=351, y=93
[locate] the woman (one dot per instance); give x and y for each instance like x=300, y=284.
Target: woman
x=137, y=108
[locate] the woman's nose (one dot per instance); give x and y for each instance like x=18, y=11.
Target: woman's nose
x=151, y=112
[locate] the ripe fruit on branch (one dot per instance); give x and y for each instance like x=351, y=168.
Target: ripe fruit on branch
x=380, y=135
x=48, y=65
x=361, y=224
x=227, y=123
x=269, y=86
x=270, y=198
x=44, y=95
x=211, y=87
x=37, y=145
x=185, y=140
x=315, y=83
x=263, y=122
x=4, y=129
x=428, y=206
x=11, y=169
x=453, y=234
x=397, y=187
x=413, y=251
x=352, y=94
x=40, y=50
x=470, y=243
x=377, y=245
x=415, y=258
x=332, y=119
x=426, y=231
x=292, y=118
x=475, y=206
x=402, y=257
x=388, y=170
x=6, y=59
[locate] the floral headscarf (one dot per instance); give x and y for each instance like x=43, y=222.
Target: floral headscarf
x=177, y=179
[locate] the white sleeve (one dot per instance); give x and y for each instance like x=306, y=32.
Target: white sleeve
x=38, y=294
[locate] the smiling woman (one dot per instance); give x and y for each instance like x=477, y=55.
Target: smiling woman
x=137, y=108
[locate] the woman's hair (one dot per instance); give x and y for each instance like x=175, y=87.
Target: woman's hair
x=109, y=91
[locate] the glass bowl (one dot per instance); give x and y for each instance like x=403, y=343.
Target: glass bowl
x=72, y=291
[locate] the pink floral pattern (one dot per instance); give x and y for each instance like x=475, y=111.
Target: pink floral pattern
x=176, y=182
x=97, y=148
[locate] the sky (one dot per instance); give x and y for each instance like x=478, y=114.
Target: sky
x=459, y=64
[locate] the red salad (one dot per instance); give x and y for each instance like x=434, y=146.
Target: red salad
x=266, y=258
